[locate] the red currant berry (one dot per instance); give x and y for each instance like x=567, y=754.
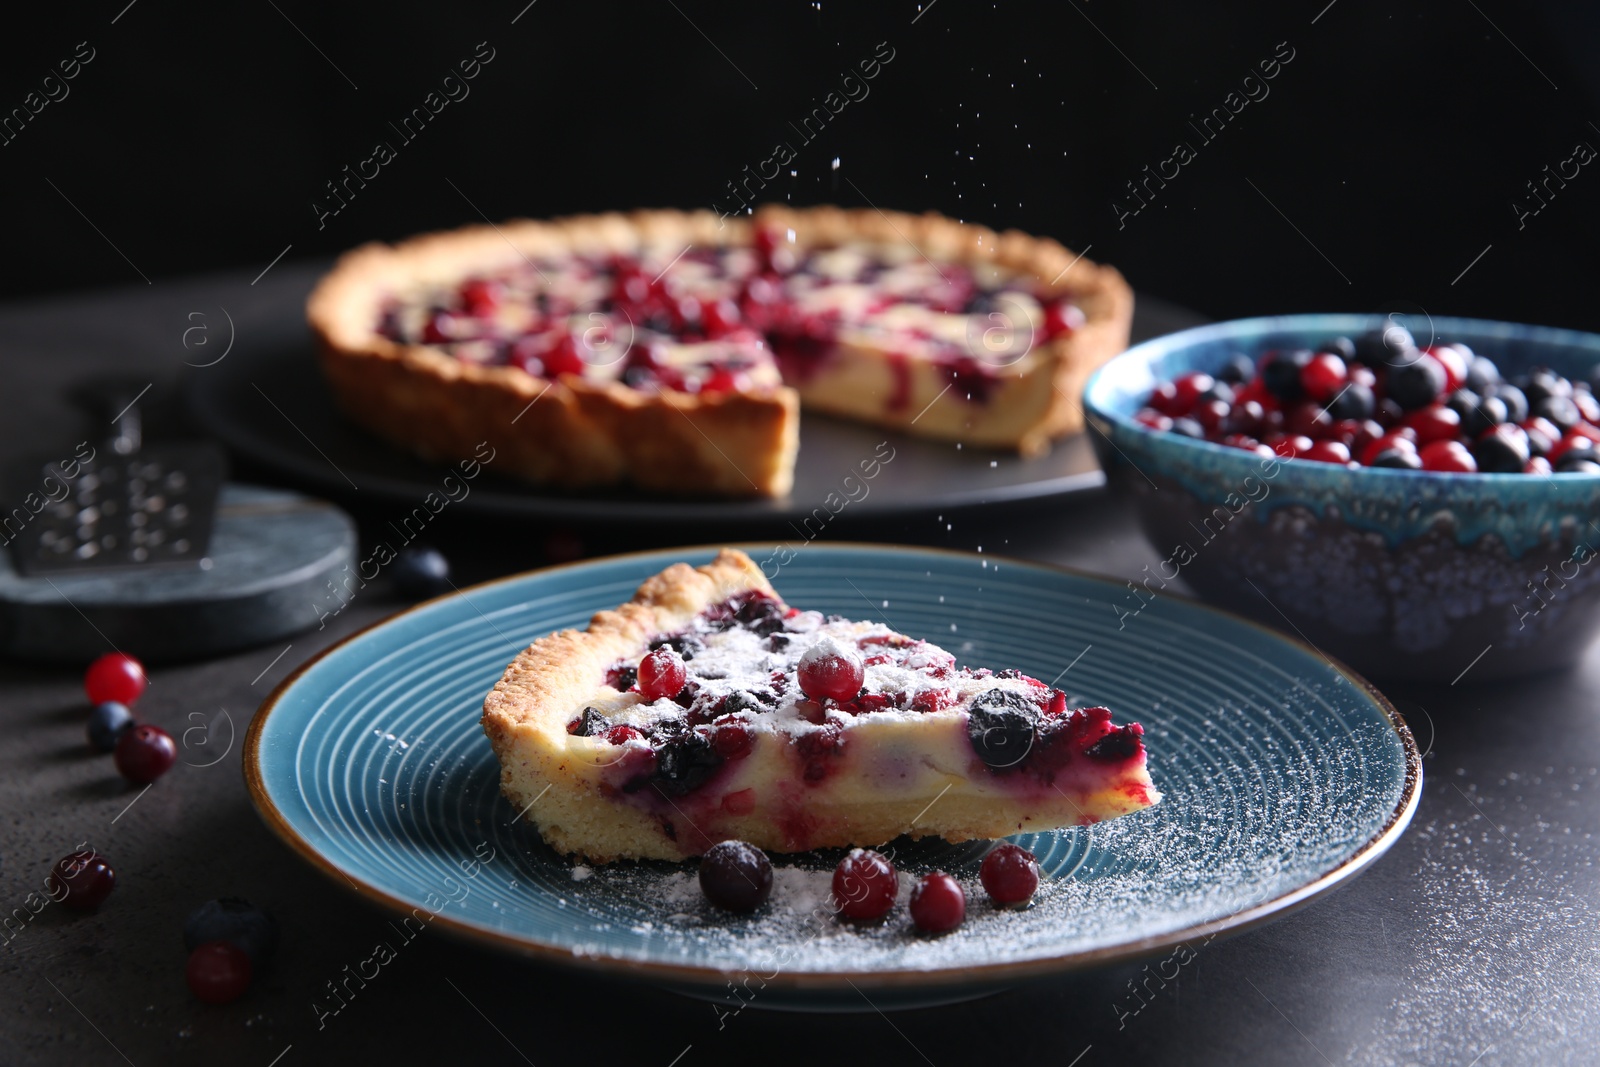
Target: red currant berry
x=621, y=734
x=1288, y=446
x=144, y=754
x=1538, y=465
x=81, y=881
x=864, y=885
x=1010, y=874
x=1061, y=319
x=481, y=296
x=722, y=380
x=829, y=671
x=732, y=739
x=1247, y=417
x=662, y=674
x=1323, y=377
x=218, y=972
x=719, y=317
x=1307, y=419
x=1212, y=415
x=1164, y=398
x=114, y=677
x=1154, y=419
x=937, y=903
x=1189, y=387
x=1327, y=452
x=1434, y=423
x=1404, y=439
x=1454, y=362
x=1450, y=456
x=565, y=358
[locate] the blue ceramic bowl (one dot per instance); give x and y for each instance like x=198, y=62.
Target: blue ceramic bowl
x=1403, y=574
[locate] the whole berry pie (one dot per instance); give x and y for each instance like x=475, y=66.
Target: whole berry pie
x=706, y=709
x=673, y=350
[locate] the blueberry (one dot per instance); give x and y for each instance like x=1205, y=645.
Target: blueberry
x=686, y=645
x=1399, y=458
x=1280, y=373
x=1482, y=375
x=1515, y=400
x=1238, y=370
x=1343, y=347
x=740, y=700
x=253, y=930
x=1576, y=454
x=1355, y=401
x=736, y=876
x=1188, y=428
x=761, y=614
x=1416, y=384
x=1543, y=384
x=1578, y=466
x=1478, y=414
x=1392, y=345
x=1119, y=744
x=1000, y=724
x=1560, y=410
x=590, y=724
x=107, y=723
x=683, y=762
x=1219, y=391
x=420, y=573
x=1504, y=451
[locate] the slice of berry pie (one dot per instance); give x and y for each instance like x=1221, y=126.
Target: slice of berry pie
x=673, y=350
x=707, y=709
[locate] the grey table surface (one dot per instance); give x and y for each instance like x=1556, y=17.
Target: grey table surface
x=1472, y=942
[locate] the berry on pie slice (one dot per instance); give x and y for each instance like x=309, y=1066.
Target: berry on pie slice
x=707, y=709
x=673, y=350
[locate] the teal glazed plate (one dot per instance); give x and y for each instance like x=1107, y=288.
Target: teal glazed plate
x=1284, y=774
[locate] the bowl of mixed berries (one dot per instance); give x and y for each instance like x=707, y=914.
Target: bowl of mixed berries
x=1417, y=501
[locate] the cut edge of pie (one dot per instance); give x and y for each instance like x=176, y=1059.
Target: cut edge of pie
x=893, y=774
x=570, y=432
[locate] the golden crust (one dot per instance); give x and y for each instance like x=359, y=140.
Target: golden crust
x=559, y=779
x=571, y=433
x=555, y=776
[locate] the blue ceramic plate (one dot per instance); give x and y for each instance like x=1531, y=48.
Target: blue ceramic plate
x=1284, y=774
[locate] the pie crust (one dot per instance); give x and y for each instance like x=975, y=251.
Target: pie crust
x=891, y=767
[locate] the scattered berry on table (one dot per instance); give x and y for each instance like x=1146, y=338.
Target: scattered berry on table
x=238, y=922
x=864, y=885
x=937, y=903
x=107, y=723
x=114, y=677
x=218, y=972
x=81, y=881
x=736, y=876
x=145, y=753
x=419, y=572
x=1010, y=874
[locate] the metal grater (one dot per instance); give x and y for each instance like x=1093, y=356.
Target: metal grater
x=124, y=506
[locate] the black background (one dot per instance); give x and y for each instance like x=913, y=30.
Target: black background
x=1395, y=141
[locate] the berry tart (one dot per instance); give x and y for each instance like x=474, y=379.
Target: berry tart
x=673, y=350
x=707, y=709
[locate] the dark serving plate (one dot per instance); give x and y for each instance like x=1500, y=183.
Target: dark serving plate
x=268, y=403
